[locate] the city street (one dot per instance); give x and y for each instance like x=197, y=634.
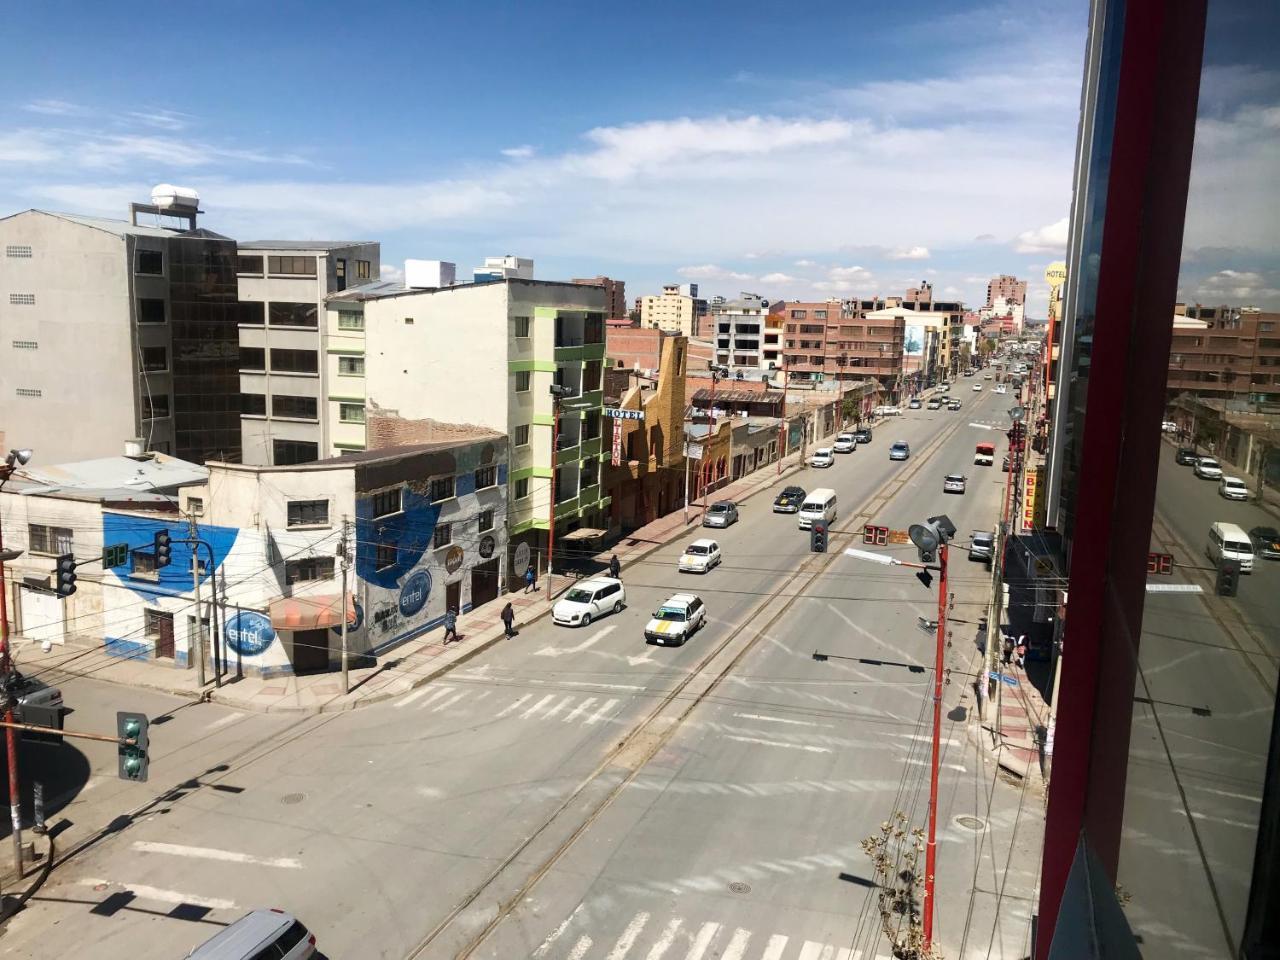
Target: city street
x=578, y=793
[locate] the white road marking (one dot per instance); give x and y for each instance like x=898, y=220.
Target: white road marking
x=442, y=692
x=417, y=694
x=557, y=708
x=959, y=768
x=706, y=934
x=628, y=938
x=777, y=943
x=586, y=644
x=907, y=657
x=737, y=946
x=798, y=723
x=557, y=933
x=584, y=683
x=580, y=708
x=779, y=743
x=599, y=714
x=210, y=853
x=223, y=721
x=664, y=942
x=812, y=950
x=516, y=705
x=636, y=661
x=537, y=706
x=445, y=704
x=162, y=896
x=1174, y=588
x=580, y=948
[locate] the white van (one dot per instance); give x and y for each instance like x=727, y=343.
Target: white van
x=1226, y=542
x=818, y=504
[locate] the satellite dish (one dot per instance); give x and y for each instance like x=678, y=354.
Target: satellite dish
x=943, y=525
x=1017, y=413
x=923, y=537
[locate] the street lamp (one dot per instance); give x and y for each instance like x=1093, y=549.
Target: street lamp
x=13, y=460
x=558, y=393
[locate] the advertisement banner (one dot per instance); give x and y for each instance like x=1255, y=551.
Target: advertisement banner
x=1029, y=500
x=617, y=442
x=913, y=340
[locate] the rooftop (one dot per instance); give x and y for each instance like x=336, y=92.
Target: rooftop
x=119, y=227
x=149, y=478
x=302, y=244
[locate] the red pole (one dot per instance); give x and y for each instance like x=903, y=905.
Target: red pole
x=10, y=735
x=551, y=524
x=931, y=851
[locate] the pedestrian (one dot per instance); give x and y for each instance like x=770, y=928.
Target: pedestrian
x=615, y=568
x=1008, y=649
x=451, y=625
x=1022, y=652
x=530, y=579
x=508, y=618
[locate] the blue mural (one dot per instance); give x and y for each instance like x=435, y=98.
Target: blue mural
x=175, y=579
x=353, y=625
x=249, y=633
x=410, y=531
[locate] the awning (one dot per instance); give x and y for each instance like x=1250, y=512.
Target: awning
x=584, y=533
x=311, y=613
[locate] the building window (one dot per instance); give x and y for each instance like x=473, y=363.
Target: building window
x=195, y=506
x=308, y=513
x=293, y=315
x=22, y=299
x=155, y=406
x=49, y=541
x=301, y=408
x=292, y=266
x=285, y=453
x=441, y=489
x=252, y=313
x=522, y=435
x=253, y=358
x=384, y=556
x=155, y=359
x=522, y=381
x=151, y=262
x=408, y=321
x=522, y=488
x=486, y=520
x=143, y=564
x=386, y=503
x=340, y=273
x=362, y=269
x=29, y=392
x=350, y=320
x=253, y=404
x=18, y=251
x=150, y=310
x=443, y=535
x=351, y=366
x=25, y=345
x=294, y=361
x=486, y=477
x=351, y=412
x=311, y=568
x=249, y=265
x=522, y=327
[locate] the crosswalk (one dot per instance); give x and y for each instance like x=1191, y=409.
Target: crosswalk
x=679, y=938
x=576, y=708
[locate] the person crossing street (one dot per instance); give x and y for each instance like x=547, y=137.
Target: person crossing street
x=615, y=568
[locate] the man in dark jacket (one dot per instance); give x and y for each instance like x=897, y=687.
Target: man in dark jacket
x=509, y=619
x=451, y=625
x=615, y=568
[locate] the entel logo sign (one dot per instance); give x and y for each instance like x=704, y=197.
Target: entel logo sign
x=413, y=595
x=249, y=633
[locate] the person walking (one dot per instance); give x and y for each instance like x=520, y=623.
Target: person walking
x=451, y=625
x=508, y=619
x=615, y=568
x=1022, y=652
x=1008, y=649
x=530, y=579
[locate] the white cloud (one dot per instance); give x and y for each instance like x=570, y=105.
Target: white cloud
x=521, y=152
x=910, y=253
x=709, y=271
x=387, y=271
x=1051, y=238
x=52, y=108
x=50, y=151
x=805, y=263
x=848, y=273
x=164, y=119
x=775, y=278
x=1236, y=287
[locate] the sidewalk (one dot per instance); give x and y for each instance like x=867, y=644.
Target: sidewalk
x=402, y=670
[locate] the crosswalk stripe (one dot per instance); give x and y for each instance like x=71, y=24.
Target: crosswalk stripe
x=556, y=933
x=628, y=938
x=442, y=692
x=445, y=704
x=703, y=940
x=537, y=706
x=665, y=941
x=773, y=951
x=580, y=948
x=420, y=692
x=812, y=950
x=557, y=708
x=516, y=705
x=580, y=708
x=737, y=946
x=599, y=714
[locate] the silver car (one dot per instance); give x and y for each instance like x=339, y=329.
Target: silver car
x=953, y=483
x=262, y=933
x=721, y=514
x=899, y=450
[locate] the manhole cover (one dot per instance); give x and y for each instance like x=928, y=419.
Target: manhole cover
x=970, y=823
x=293, y=798
x=739, y=887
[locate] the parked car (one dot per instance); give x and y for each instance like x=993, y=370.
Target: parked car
x=722, y=513
x=822, y=457
x=982, y=545
x=589, y=600
x=845, y=443
x=38, y=703
x=1169, y=427
x=1266, y=542
x=1208, y=468
x=1000, y=388
x=863, y=434
x=676, y=620
x=699, y=556
x=953, y=483
x=914, y=404
x=899, y=450
x=977, y=388
x=1186, y=456
x=789, y=500
x=262, y=933
x=1233, y=488
x=1016, y=464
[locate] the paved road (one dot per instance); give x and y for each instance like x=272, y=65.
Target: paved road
x=1195, y=780
x=404, y=826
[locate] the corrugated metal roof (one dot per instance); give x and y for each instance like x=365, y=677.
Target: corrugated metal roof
x=369, y=291
x=119, y=227
x=301, y=244
x=115, y=475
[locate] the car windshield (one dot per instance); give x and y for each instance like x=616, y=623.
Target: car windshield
x=675, y=614
x=899, y=446
x=845, y=436
x=955, y=477
x=578, y=595
x=793, y=492
x=1206, y=462
x=720, y=508
x=1266, y=533
x=697, y=550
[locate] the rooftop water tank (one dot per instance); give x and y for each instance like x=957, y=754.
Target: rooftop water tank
x=168, y=197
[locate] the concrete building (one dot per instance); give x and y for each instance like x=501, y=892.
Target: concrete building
x=286, y=374
x=117, y=330
x=833, y=340
x=922, y=337
x=635, y=348
x=615, y=295
x=503, y=268
x=952, y=356
x=673, y=311
x=1005, y=287
x=739, y=333
x=1231, y=353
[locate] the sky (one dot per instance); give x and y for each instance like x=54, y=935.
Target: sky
x=795, y=151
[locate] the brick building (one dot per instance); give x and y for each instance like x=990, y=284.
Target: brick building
x=634, y=348
x=615, y=295
x=1225, y=352
x=834, y=340
x=1005, y=287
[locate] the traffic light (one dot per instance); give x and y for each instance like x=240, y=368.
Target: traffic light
x=1228, y=577
x=66, y=575
x=164, y=548
x=131, y=729
x=818, y=536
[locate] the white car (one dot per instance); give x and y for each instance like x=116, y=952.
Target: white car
x=986, y=376
x=1233, y=488
x=822, y=457
x=676, y=620
x=977, y=388
x=589, y=600
x=953, y=483
x=700, y=556
x=1169, y=427
x=1208, y=468
x=1001, y=388
x=845, y=443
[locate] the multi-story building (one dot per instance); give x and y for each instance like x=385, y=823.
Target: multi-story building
x=286, y=376
x=1232, y=353
x=615, y=295
x=834, y=340
x=673, y=311
x=700, y=306
x=521, y=336
x=115, y=330
x=739, y=329
x=503, y=268
x=952, y=355
x=1005, y=287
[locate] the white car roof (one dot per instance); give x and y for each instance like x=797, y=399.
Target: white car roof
x=702, y=542
x=1233, y=480
x=595, y=583
x=679, y=600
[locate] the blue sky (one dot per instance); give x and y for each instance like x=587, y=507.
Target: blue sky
x=827, y=149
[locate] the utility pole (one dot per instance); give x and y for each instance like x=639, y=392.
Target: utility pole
x=557, y=391
x=782, y=427
x=931, y=846
x=344, y=553
x=195, y=587
x=14, y=459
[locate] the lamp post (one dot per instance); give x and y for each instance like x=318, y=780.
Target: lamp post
x=558, y=392
x=14, y=459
